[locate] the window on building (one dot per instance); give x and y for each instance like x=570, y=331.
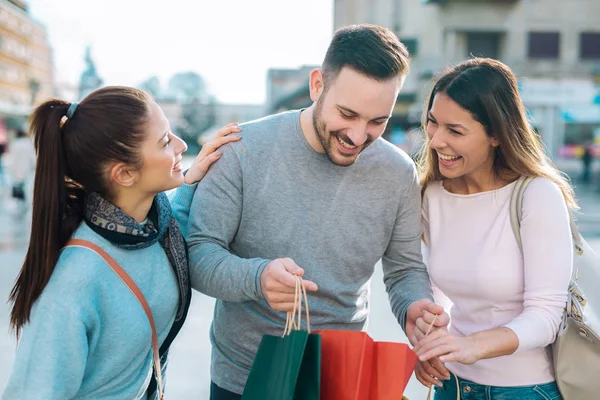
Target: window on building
x=411, y=45
x=483, y=44
x=544, y=45
x=589, y=46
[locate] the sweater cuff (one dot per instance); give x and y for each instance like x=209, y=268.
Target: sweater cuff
x=257, y=287
x=411, y=300
x=527, y=340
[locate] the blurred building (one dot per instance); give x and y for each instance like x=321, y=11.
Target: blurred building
x=552, y=45
x=287, y=88
x=26, y=72
x=228, y=113
x=172, y=110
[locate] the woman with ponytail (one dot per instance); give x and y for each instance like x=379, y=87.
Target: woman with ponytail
x=102, y=168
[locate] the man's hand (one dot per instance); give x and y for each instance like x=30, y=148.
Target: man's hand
x=431, y=372
x=278, y=283
x=421, y=315
x=422, y=309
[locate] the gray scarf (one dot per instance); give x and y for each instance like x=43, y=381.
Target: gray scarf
x=110, y=222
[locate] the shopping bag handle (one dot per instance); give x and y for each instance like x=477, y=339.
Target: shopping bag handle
x=296, y=313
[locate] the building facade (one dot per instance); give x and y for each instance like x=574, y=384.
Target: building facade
x=228, y=113
x=288, y=88
x=26, y=72
x=552, y=45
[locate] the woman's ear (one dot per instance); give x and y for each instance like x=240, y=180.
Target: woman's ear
x=122, y=174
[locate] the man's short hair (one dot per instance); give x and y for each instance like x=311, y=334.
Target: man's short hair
x=371, y=50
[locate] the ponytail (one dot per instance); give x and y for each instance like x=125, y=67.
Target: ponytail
x=57, y=210
x=74, y=146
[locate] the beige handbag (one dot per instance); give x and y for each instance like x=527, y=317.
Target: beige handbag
x=576, y=351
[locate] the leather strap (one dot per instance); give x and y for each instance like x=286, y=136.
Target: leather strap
x=135, y=291
x=516, y=212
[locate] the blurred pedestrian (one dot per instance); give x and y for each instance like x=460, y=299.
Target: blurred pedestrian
x=586, y=161
x=20, y=165
x=3, y=149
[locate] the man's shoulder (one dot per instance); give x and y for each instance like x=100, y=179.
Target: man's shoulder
x=391, y=156
x=261, y=134
x=270, y=125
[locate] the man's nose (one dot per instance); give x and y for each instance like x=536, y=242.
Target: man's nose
x=358, y=134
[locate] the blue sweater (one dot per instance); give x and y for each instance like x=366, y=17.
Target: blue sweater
x=88, y=336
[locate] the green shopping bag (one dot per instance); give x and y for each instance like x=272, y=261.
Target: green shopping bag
x=287, y=367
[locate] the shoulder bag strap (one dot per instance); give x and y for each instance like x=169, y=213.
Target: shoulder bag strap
x=135, y=291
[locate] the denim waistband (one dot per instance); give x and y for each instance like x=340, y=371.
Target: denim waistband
x=475, y=391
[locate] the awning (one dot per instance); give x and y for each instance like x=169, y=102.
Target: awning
x=581, y=114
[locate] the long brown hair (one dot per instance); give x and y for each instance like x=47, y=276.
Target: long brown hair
x=488, y=90
x=72, y=159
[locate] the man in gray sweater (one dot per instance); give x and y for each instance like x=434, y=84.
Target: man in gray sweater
x=315, y=193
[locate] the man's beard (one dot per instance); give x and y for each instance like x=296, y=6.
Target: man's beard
x=326, y=138
x=321, y=129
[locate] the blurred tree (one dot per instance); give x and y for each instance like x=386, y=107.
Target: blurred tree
x=197, y=107
x=187, y=86
x=152, y=86
x=197, y=116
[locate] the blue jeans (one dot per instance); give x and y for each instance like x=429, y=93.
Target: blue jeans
x=474, y=391
x=217, y=393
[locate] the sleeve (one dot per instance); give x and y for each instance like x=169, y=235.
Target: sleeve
x=215, y=216
x=404, y=273
x=181, y=202
x=548, y=262
x=439, y=296
x=51, y=357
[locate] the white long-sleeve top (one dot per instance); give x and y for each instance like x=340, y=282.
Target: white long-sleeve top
x=474, y=259
x=20, y=159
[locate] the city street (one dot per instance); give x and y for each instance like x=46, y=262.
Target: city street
x=188, y=376
x=71, y=73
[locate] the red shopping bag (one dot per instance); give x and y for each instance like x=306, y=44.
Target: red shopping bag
x=354, y=367
x=394, y=364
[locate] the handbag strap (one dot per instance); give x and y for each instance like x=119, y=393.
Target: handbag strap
x=516, y=213
x=135, y=291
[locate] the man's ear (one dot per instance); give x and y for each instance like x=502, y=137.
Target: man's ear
x=123, y=175
x=316, y=84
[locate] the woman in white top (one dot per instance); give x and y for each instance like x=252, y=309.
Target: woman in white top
x=20, y=163
x=506, y=306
